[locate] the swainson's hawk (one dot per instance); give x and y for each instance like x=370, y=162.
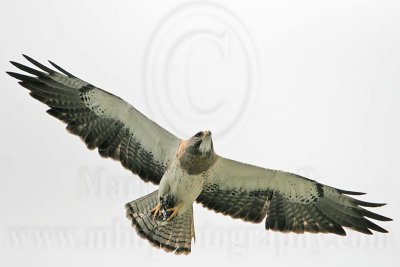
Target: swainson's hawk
x=189, y=170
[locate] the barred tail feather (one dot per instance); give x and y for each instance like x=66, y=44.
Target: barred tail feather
x=174, y=236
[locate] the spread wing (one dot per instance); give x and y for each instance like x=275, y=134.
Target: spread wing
x=291, y=203
x=102, y=120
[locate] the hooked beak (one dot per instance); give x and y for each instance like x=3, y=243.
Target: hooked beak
x=207, y=133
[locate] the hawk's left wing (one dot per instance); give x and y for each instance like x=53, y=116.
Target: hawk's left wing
x=102, y=120
x=291, y=203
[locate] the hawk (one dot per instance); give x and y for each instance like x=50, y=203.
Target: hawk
x=189, y=171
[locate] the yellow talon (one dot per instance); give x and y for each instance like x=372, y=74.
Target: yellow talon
x=175, y=211
x=156, y=210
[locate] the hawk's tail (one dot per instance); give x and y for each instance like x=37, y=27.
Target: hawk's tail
x=174, y=236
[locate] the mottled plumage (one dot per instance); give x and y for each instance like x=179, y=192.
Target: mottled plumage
x=190, y=170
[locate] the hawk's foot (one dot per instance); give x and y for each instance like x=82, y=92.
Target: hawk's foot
x=156, y=211
x=175, y=210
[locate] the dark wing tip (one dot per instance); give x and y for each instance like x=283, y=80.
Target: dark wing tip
x=12, y=74
x=39, y=65
x=350, y=192
x=13, y=62
x=375, y=216
x=16, y=64
x=28, y=58
x=22, y=77
x=61, y=69
x=27, y=69
x=363, y=230
x=368, y=204
x=382, y=230
x=341, y=232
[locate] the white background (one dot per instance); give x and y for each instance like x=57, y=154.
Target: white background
x=313, y=85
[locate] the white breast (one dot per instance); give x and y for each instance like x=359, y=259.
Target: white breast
x=178, y=183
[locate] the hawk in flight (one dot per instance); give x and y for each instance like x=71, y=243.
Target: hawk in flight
x=189, y=171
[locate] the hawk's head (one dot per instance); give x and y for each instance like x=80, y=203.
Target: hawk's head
x=201, y=144
x=196, y=154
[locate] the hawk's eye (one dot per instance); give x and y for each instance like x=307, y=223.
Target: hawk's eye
x=198, y=134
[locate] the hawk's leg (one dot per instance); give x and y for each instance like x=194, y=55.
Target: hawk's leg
x=156, y=210
x=175, y=210
x=166, y=209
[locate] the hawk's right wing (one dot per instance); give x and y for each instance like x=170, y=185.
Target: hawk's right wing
x=291, y=203
x=102, y=120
